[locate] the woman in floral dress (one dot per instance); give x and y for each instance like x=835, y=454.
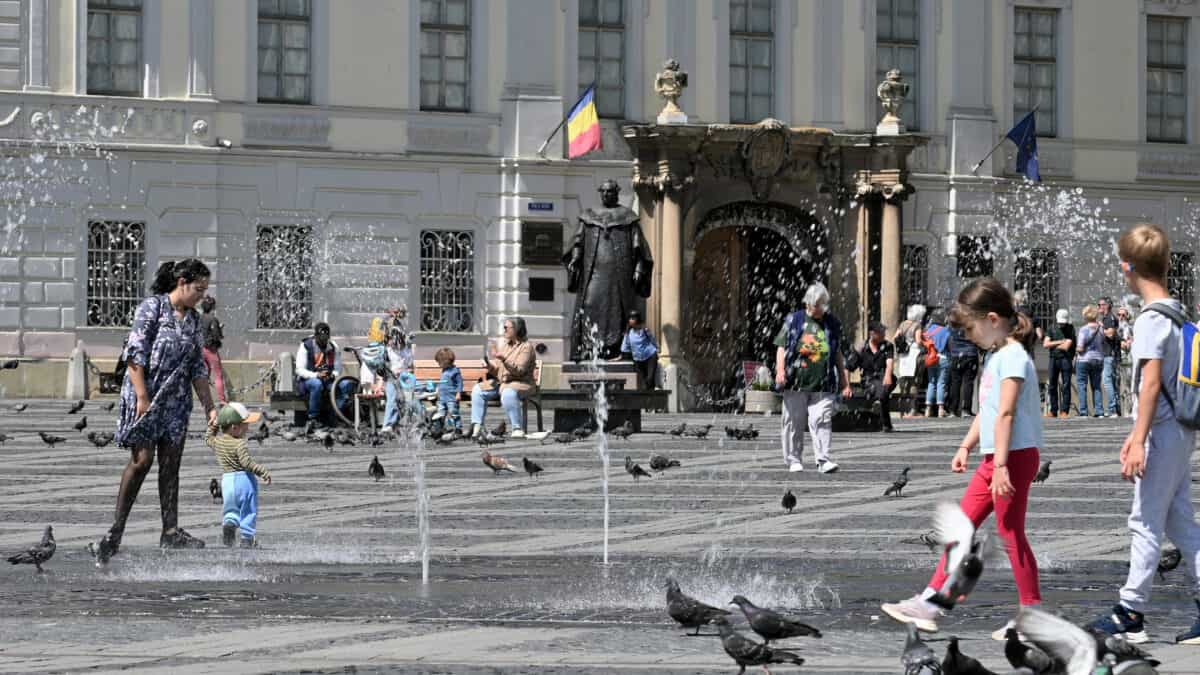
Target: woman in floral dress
x=164, y=357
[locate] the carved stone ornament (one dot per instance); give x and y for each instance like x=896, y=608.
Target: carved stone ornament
x=891, y=92
x=669, y=84
x=200, y=128
x=765, y=154
x=890, y=192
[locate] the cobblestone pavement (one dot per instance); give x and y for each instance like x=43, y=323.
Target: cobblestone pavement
x=516, y=582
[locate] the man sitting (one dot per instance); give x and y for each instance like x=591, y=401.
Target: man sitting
x=318, y=364
x=876, y=359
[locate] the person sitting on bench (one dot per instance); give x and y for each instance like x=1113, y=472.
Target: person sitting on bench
x=876, y=359
x=318, y=364
x=512, y=366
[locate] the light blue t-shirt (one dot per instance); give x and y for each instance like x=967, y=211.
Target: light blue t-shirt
x=1011, y=361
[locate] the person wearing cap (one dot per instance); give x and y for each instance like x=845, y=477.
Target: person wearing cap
x=1110, y=348
x=1060, y=342
x=640, y=344
x=239, y=484
x=876, y=359
x=318, y=364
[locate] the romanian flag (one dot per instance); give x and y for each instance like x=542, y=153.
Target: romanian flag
x=583, y=126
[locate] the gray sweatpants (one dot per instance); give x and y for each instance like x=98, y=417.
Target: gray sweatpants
x=1162, y=505
x=812, y=409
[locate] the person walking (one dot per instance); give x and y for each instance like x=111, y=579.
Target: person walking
x=1089, y=362
x=164, y=358
x=1110, y=377
x=964, y=366
x=810, y=371
x=213, y=335
x=512, y=366
x=936, y=339
x=1060, y=343
x=1008, y=432
x=876, y=359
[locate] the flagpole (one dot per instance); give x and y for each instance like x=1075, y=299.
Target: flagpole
x=542, y=150
x=978, y=164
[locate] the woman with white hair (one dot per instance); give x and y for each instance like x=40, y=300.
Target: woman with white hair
x=907, y=340
x=810, y=371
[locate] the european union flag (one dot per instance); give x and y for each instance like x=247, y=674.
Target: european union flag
x=1024, y=135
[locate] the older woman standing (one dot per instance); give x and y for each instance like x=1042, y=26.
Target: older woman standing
x=512, y=365
x=164, y=357
x=810, y=371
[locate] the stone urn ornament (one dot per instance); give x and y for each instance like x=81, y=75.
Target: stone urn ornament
x=891, y=92
x=669, y=84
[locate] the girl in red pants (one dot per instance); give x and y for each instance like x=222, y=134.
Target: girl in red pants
x=1008, y=431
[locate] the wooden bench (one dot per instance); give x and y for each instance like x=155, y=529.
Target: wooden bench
x=576, y=407
x=429, y=370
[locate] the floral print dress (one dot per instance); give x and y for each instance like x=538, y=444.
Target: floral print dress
x=169, y=351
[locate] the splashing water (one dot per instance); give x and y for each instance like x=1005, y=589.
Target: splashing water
x=601, y=396
x=409, y=434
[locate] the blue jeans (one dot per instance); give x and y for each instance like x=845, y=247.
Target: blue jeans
x=935, y=391
x=398, y=396
x=510, y=400
x=1088, y=372
x=1112, y=388
x=315, y=388
x=448, y=407
x=240, y=492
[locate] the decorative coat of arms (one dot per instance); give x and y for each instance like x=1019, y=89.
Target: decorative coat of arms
x=765, y=154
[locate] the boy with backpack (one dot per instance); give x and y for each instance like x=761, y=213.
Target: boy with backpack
x=1157, y=455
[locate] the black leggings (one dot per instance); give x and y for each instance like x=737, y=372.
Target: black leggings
x=140, y=459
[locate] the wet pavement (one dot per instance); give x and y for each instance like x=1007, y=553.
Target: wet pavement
x=516, y=580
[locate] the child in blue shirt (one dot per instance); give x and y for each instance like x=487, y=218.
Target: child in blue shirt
x=449, y=390
x=639, y=342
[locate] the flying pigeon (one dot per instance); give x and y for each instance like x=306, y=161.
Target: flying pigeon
x=81, y=424
x=898, y=484
x=78, y=405
x=747, y=652
x=497, y=463
x=624, y=431
x=214, y=489
x=1057, y=644
x=966, y=549
x=20, y=407
x=1168, y=561
x=678, y=431
x=376, y=469
x=772, y=625
x=100, y=438
x=690, y=612
x=918, y=658
x=958, y=663
x=50, y=439
x=532, y=468
x=1043, y=472
x=661, y=463
x=37, y=555
x=635, y=470
x=789, y=501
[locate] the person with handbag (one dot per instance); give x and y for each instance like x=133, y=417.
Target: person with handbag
x=935, y=338
x=907, y=342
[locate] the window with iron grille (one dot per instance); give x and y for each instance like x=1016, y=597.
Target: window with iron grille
x=447, y=281
x=284, y=51
x=897, y=45
x=975, y=256
x=1166, y=79
x=283, y=296
x=445, y=67
x=602, y=54
x=114, y=47
x=1035, y=67
x=116, y=264
x=914, y=275
x=1181, y=279
x=751, y=60
x=1036, y=273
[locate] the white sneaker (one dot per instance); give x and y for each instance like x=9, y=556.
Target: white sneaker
x=918, y=612
x=438, y=416
x=517, y=433
x=827, y=467
x=999, y=635
x=796, y=467
x=385, y=430
x=474, y=431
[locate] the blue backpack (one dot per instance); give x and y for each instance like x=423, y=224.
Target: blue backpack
x=1185, y=402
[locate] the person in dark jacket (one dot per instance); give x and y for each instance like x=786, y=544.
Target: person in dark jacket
x=876, y=359
x=1060, y=342
x=964, y=365
x=213, y=335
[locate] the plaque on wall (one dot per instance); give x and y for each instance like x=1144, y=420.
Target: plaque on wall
x=541, y=289
x=541, y=243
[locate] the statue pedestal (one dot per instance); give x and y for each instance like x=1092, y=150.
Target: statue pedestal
x=889, y=126
x=621, y=374
x=672, y=117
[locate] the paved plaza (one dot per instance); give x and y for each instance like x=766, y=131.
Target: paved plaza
x=516, y=580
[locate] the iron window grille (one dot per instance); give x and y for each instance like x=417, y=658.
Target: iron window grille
x=1166, y=79
x=975, y=256
x=284, y=268
x=1181, y=279
x=447, y=281
x=1036, y=273
x=284, y=51
x=445, y=55
x=898, y=45
x=116, y=264
x=914, y=275
x=114, y=47
x=1035, y=67
x=751, y=60
x=602, y=54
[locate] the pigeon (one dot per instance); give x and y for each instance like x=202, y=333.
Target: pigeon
x=1170, y=559
x=966, y=549
x=747, y=652
x=532, y=468
x=562, y=437
x=214, y=489
x=260, y=435
x=327, y=441
x=20, y=407
x=497, y=463
x=918, y=658
x=772, y=625
x=584, y=431
x=5, y=437
x=738, y=434
x=486, y=439
x=690, y=612
x=1117, y=649
x=635, y=470
x=11, y=364
x=109, y=406
x=76, y=407
x=51, y=440
x=678, y=431
x=898, y=484
x=376, y=469
x=1043, y=473
x=81, y=424
x=958, y=663
x=624, y=431
x=500, y=429
x=100, y=438
x=289, y=436
x=661, y=463
x=37, y=555
x=699, y=432
x=447, y=438
x=1058, y=645
x=342, y=437
x=789, y=501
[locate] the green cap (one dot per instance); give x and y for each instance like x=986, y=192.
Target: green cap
x=236, y=413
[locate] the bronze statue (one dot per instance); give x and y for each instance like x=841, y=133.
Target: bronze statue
x=608, y=268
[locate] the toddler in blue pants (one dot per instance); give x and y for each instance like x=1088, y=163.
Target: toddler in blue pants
x=239, y=484
x=449, y=390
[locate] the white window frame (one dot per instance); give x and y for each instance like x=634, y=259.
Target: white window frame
x=479, y=320
x=1055, y=14
x=282, y=20
x=1064, y=82
x=151, y=47
x=1189, y=66
x=751, y=35
x=929, y=16
x=914, y=125
x=599, y=29
x=318, y=54
x=1192, y=13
